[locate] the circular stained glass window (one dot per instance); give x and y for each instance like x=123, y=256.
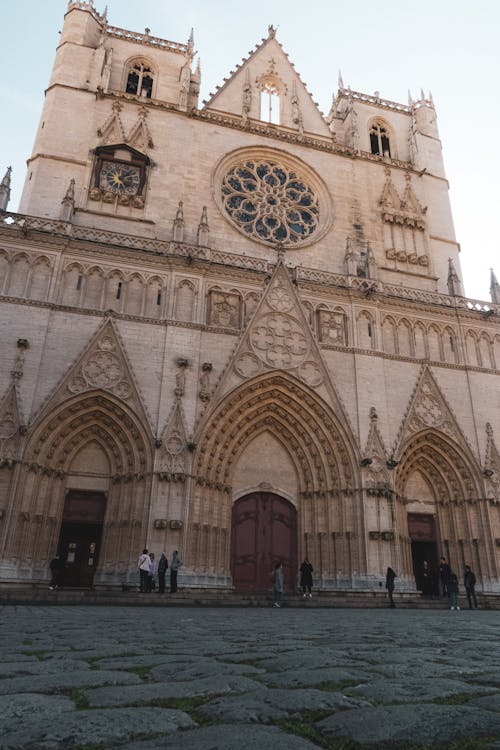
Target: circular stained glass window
x=270, y=202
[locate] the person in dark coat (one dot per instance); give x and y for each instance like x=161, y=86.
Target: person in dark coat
x=162, y=570
x=389, y=584
x=470, y=584
x=444, y=574
x=427, y=579
x=56, y=567
x=306, y=578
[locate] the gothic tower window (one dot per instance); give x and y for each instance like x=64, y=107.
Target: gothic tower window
x=140, y=79
x=379, y=139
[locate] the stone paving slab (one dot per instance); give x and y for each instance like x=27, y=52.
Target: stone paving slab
x=107, y=726
x=294, y=678
x=28, y=707
x=228, y=737
x=219, y=679
x=59, y=681
x=418, y=724
x=414, y=689
x=202, y=668
x=43, y=667
x=267, y=706
x=147, y=692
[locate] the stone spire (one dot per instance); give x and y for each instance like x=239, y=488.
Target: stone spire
x=494, y=288
x=178, y=228
x=454, y=285
x=68, y=202
x=5, y=190
x=203, y=230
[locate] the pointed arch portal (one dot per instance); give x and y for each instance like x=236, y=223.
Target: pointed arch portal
x=322, y=519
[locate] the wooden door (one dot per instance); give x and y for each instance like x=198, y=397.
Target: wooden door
x=80, y=536
x=264, y=530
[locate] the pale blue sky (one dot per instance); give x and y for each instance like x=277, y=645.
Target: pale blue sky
x=447, y=46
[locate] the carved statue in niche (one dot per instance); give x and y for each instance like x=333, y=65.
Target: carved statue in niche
x=331, y=327
x=247, y=99
x=224, y=310
x=204, y=392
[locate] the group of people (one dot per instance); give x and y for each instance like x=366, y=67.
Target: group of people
x=149, y=569
x=450, y=588
x=449, y=584
x=305, y=581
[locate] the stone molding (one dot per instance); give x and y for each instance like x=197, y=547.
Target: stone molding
x=194, y=252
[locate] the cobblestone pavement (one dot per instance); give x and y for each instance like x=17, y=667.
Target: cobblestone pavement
x=93, y=678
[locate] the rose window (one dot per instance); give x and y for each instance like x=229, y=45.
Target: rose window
x=270, y=202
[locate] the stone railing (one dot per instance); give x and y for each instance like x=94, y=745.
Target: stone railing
x=138, y=38
x=371, y=99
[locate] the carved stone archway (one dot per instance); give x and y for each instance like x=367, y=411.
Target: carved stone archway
x=459, y=506
x=100, y=419
x=325, y=459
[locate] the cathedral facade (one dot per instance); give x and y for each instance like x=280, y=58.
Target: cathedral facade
x=237, y=329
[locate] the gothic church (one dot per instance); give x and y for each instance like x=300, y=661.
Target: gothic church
x=237, y=328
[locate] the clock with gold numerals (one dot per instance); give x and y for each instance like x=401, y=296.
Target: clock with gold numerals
x=121, y=179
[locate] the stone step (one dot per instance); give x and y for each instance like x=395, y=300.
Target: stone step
x=37, y=594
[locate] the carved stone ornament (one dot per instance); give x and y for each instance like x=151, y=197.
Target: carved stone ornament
x=224, y=310
x=332, y=327
x=103, y=366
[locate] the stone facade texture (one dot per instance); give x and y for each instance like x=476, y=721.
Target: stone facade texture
x=200, y=305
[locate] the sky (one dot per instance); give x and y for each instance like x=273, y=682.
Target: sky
x=448, y=47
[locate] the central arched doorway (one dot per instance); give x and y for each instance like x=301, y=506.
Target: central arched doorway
x=263, y=531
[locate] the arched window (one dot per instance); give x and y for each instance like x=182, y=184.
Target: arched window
x=379, y=139
x=270, y=102
x=140, y=79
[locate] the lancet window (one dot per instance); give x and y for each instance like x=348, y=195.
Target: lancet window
x=270, y=103
x=140, y=79
x=379, y=139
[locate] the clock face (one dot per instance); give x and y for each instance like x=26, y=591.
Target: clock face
x=120, y=178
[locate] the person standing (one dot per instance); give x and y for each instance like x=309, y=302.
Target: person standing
x=152, y=573
x=444, y=574
x=453, y=590
x=389, y=584
x=470, y=586
x=175, y=564
x=56, y=566
x=427, y=582
x=162, y=570
x=278, y=583
x=144, y=566
x=306, y=578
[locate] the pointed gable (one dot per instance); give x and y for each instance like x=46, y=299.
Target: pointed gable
x=172, y=461
x=279, y=337
x=112, y=130
x=139, y=136
x=428, y=409
x=375, y=458
x=104, y=365
x=389, y=199
x=10, y=422
x=268, y=71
